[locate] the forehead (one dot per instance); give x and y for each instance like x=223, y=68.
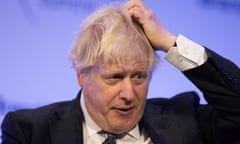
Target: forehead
x=110, y=67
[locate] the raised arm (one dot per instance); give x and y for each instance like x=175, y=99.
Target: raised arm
x=158, y=35
x=217, y=77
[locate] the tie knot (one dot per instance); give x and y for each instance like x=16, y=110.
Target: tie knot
x=111, y=139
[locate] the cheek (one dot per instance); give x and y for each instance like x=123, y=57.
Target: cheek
x=142, y=91
x=100, y=96
x=107, y=95
x=141, y=95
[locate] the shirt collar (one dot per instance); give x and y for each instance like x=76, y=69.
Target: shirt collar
x=93, y=128
x=135, y=132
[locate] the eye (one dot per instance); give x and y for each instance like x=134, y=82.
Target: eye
x=139, y=78
x=113, y=78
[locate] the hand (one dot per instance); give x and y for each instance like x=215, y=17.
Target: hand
x=158, y=35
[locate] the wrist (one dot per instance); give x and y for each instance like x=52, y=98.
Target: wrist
x=172, y=42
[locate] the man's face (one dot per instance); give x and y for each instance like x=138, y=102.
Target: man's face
x=115, y=95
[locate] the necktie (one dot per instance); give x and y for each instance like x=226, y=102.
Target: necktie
x=111, y=139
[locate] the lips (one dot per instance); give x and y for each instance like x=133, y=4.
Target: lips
x=126, y=111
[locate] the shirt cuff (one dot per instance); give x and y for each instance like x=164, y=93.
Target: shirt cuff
x=187, y=54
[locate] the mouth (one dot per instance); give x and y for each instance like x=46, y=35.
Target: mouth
x=124, y=111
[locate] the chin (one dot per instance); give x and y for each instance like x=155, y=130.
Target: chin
x=122, y=127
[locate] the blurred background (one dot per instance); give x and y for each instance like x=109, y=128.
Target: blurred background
x=36, y=37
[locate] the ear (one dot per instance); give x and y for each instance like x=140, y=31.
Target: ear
x=80, y=77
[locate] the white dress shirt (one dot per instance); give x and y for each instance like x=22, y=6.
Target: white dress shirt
x=186, y=55
x=91, y=131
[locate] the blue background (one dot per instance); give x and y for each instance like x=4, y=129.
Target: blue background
x=36, y=37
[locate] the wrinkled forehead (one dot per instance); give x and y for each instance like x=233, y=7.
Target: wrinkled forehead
x=119, y=67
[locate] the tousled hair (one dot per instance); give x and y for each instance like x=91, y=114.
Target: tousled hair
x=110, y=35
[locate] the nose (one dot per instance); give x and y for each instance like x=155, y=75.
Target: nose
x=127, y=91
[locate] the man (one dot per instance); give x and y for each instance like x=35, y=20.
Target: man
x=114, y=62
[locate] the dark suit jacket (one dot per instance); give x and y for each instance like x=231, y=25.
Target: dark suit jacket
x=179, y=120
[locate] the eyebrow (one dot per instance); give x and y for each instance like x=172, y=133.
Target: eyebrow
x=109, y=72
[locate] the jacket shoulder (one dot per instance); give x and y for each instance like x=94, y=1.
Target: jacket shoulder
x=182, y=101
x=42, y=111
x=42, y=114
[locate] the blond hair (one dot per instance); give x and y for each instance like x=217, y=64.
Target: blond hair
x=109, y=35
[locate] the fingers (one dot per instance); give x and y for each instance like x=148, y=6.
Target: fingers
x=137, y=10
x=137, y=14
x=134, y=3
x=159, y=37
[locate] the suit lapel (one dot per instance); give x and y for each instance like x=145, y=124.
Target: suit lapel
x=66, y=131
x=66, y=127
x=173, y=121
x=160, y=124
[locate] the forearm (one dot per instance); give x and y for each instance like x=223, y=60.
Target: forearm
x=217, y=77
x=219, y=80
